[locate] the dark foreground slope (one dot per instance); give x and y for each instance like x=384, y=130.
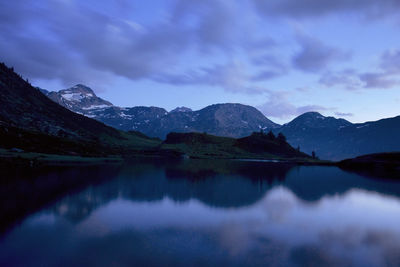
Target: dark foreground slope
x=255, y=146
x=31, y=121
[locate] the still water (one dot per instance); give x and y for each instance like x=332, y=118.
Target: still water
x=199, y=213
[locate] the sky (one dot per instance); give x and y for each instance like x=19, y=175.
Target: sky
x=284, y=57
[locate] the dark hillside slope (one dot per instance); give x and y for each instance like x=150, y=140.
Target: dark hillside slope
x=26, y=113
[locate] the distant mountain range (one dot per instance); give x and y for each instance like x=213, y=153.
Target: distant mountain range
x=231, y=120
x=329, y=137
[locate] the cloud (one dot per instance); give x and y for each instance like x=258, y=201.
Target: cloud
x=211, y=22
x=83, y=42
x=271, y=67
x=346, y=79
x=378, y=80
x=351, y=80
x=122, y=48
x=278, y=106
x=266, y=75
x=67, y=41
x=231, y=76
x=390, y=61
x=260, y=44
x=308, y=108
x=318, y=8
x=385, y=77
x=315, y=56
x=77, y=41
x=388, y=75
x=344, y=114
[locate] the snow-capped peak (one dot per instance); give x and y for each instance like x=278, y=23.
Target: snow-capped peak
x=79, y=98
x=77, y=93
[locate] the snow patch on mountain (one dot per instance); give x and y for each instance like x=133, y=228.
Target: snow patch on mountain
x=72, y=96
x=96, y=107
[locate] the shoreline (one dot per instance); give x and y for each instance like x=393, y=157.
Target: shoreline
x=34, y=159
x=8, y=157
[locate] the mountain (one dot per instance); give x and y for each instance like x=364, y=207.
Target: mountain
x=80, y=98
x=315, y=120
x=232, y=120
x=313, y=132
x=329, y=137
x=337, y=139
x=31, y=121
x=181, y=109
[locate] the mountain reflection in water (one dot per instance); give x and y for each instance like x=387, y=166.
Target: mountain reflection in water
x=199, y=212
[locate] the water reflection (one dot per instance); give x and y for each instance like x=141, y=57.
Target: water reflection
x=200, y=212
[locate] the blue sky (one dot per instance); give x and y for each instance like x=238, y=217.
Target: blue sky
x=286, y=57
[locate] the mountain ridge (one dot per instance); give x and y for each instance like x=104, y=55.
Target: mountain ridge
x=32, y=122
x=329, y=137
x=344, y=139
x=224, y=119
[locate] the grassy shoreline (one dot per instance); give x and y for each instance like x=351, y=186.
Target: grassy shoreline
x=34, y=159
x=8, y=157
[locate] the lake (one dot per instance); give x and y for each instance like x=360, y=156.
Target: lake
x=197, y=213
